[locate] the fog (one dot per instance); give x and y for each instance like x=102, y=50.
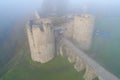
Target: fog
x=16, y=8
x=13, y=12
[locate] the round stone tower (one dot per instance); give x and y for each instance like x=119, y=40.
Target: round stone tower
x=41, y=40
x=83, y=30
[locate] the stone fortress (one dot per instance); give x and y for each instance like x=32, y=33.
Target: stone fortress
x=67, y=36
x=44, y=34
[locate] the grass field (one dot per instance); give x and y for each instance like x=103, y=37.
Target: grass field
x=57, y=69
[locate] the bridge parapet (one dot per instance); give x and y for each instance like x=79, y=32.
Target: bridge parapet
x=83, y=61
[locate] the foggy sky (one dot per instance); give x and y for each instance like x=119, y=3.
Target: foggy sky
x=33, y=4
x=14, y=8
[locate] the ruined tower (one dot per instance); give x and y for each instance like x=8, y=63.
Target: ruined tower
x=41, y=40
x=83, y=30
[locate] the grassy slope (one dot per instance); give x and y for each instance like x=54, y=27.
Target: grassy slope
x=57, y=69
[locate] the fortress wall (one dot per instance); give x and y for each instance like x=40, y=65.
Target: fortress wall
x=83, y=29
x=46, y=20
x=69, y=29
x=31, y=43
x=50, y=42
x=36, y=38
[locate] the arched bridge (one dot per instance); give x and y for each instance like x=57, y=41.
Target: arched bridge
x=83, y=62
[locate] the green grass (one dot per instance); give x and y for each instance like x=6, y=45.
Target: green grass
x=57, y=69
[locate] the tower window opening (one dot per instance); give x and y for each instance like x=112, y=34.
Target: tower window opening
x=41, y=28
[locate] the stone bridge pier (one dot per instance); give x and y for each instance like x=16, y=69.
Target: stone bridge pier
x=79, y=65
x=89, y=74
